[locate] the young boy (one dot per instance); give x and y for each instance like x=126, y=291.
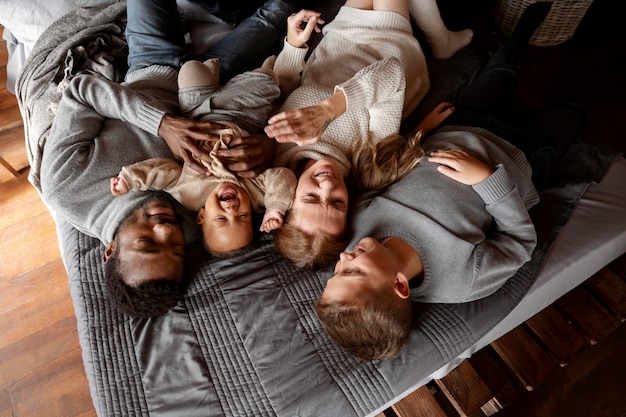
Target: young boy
x=224, y=201
x=448, y=238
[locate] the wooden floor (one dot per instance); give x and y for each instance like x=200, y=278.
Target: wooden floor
x=577, y=347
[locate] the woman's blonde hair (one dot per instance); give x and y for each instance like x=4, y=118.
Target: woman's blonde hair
x=376, y=166
x=306, y=250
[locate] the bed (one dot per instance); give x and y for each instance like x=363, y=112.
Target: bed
x=245, y=339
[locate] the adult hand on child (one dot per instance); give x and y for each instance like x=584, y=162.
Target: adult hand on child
x=434, y=119
x=461, y=166
x=181, y=135
x=272, y=220
x=297, y=35
x=248, y=156
x=304, y=126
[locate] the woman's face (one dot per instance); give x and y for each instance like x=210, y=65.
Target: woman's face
x=321, y=201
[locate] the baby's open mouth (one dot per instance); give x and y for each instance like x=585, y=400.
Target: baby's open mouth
x=227, y=194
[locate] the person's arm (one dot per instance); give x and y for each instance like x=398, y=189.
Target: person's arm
x=115, y=101
x=279, y=187
x=434, y=119
x=510, y=242
x=382, y=81
x=155, y=174
x=290, y=62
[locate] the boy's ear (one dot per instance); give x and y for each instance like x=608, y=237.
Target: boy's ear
x=200, y=217
x=401, y=286
x=108, y=251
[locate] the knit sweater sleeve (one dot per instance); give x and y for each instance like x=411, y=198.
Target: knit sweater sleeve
x=280, y=187
x=288, y=67
x=114, y=101
x=155, y=173
x=512, y=239
x=378, y=82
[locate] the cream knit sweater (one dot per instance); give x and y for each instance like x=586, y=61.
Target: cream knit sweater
x=373, y=57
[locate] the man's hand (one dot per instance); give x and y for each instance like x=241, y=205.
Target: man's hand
x=247, y=157
x=434, y=119
x=461, y=166
x=305, y=126
x=297, y=35
x=181, y=135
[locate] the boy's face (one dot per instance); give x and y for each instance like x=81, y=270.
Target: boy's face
x=321, y=200
x=367, y=268
x=226, y=218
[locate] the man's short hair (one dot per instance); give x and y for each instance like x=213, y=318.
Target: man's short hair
x=148, y=299
x=374, y=329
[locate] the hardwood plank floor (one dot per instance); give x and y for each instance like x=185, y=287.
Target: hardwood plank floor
x=41, y=371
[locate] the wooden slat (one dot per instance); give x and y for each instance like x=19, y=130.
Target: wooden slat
x=619, y=266
x=498, y=377
x=558, y=334
x=594, y=321
x=59, y=388
x=610, y=289
x=4, y=53
x=10, y=118
x=13, y=148
x=418, y=404
x=465, y=389
x=529, y=362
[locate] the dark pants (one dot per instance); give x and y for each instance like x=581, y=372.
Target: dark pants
x=543, y=135
x=155, y=36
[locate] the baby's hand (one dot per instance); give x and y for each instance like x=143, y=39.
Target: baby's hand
x=461, y=166
x=118, y=186
x=297, y=35
x=272, y=220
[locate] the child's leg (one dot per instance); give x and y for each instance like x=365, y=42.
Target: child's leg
x=443, y=42
x=197, y=82
x=398, y=6
x=198, y=74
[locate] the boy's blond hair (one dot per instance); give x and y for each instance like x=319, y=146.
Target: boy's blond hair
x=376, y=328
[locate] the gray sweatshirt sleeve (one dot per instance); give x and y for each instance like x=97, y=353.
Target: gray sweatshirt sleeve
x=511, y=241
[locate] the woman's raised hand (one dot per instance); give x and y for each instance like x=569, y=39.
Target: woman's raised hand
x=300, y=26
x=304, y=126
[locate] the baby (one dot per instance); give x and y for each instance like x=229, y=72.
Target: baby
x=224, y=201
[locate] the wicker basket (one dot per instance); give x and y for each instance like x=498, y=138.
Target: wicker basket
x=560, y=24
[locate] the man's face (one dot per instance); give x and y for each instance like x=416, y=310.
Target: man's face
x=226, y=218
x=151, y=245
x=366, y=268
x=321, y=200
